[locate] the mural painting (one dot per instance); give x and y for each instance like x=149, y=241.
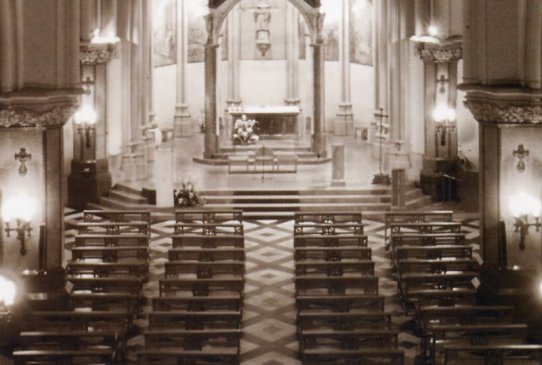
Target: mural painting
x=361, y=32
x=164, y=32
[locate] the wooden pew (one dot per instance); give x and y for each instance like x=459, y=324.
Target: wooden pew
x=212, y=303
x=194, y=320
x=335, y=268
x=332, y=253
x=105, y=301
x=111, y=253
x=347, y=339
x=525, y=354
x=114, y=320
x=387, y=356
x=104, y=269
x=445, y=297
x=117, y=215
x=158, y=356
x=112, y=284
x=342, y=321
x=331, y=241
x=206, y=254
x=324, y=229
x=65, y=340
x=197, y=240
x=209, y=229
x=109, y=239
x=413, y=217
x=324, y=217
x=113, y=227
x=433, y=252
x=83, y=356
x=190, y=269
x=335, y=285
x=339, y=303
x=426, y=239
x=202, y=287
x=208, y=215
x=425, y=227
x=436, y=266
x=439, y=335
x=174, y=338
x=463, y=314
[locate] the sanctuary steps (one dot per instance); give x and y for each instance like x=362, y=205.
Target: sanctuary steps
x=278, y=204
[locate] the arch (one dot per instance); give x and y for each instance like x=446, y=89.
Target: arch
x=310, y=14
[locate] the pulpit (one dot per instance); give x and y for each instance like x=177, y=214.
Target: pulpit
x=279, y=121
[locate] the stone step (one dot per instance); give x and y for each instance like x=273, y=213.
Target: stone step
x=127, y=196
x=121, y=204
x=304, y=193
x=127, y=188
x=302, y=206
x=292, y=199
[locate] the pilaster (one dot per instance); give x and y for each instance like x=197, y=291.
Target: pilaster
x=344, y=120
x=183, y=125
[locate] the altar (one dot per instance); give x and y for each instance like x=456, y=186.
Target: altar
x=279, y=120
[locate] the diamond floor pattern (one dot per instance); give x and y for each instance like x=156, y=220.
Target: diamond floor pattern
x=269, y=311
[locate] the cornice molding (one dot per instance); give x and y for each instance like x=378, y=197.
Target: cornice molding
x=95, y=53
x=17, y=117
x=445, y=52
x=504, y=106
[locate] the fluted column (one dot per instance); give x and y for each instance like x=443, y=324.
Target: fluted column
x=234, y=51
x=344, y=121
x=319, y=121
x=183, y=120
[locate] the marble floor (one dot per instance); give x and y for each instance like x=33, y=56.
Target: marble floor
x=361, y=164
x=269, y=308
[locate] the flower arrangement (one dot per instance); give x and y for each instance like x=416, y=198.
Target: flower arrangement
x=188, y=196
x=244, y=131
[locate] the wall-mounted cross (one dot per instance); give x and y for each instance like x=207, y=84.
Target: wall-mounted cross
x=442, y=80
x=22, y=157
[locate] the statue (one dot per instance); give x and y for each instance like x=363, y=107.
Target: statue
x=262, y=17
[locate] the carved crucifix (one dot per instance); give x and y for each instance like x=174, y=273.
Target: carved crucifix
x=22, y=157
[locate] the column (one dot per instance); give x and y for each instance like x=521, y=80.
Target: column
x=182, y=126
x=319, y=116
x=292, y=62
x=344, y=121
x=211, y=132
x=34, y=119
x=234, y=49
x=148, y=69
x=377, y=136
x=503, y=41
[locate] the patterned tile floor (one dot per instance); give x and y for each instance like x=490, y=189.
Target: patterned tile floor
x=269, y=309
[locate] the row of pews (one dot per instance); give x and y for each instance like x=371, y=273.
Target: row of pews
x=340, y=314
x=438, y=276
x=196, y=319
x=105, y=275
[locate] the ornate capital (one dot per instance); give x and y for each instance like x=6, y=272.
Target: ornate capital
x=17, y=117
x=504, y=106
x=445, y=52
x=95, y=53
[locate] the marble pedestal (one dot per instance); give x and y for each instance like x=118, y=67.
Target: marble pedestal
x=163, y=177
x=337, y=165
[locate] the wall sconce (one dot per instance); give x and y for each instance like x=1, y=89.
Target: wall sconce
x=22, y=157
x=520, y=153
x=86, y=84
x=85, y=119
x=444, y=118
x=523, y=205
x=19, y=210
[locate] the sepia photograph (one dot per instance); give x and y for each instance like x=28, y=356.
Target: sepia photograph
x=270, y=182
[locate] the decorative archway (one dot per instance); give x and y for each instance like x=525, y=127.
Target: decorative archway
x=315, y=21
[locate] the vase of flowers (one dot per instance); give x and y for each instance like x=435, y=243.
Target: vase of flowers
x=244, y=131
x=188, y=196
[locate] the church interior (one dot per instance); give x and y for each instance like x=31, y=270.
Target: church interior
x=270, y=182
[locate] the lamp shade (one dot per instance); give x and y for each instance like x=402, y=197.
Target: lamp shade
x=522, y=204
x=8, y=291
x=85, y=115
x=18, y=207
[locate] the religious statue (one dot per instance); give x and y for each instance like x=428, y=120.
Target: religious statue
x=262, y=17
x=244, y=131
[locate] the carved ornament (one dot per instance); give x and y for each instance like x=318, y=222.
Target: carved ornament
x=489, y=112
x=439, y=52
x=17, y=117
x=95, y=53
